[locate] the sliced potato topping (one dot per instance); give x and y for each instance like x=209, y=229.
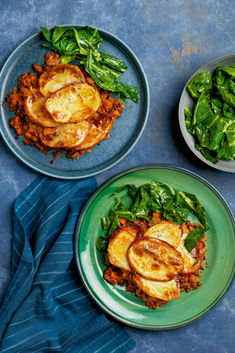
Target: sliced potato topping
x=167, y=231
x=34, y=108
x=154, y=259
x=59, y=76
x=73, y=103
x=96, y=133
x=118, y=246
x=66, y=135
x=162, y=290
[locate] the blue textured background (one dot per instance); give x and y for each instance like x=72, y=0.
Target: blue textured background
x=171, y=39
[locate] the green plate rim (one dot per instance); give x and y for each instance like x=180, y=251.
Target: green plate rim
x=103, y=305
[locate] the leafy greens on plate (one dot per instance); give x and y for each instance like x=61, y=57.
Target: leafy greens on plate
x=173, y=204
x=83, y=44
x=212, y=119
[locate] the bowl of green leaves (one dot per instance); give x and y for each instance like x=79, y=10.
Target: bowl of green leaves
x=207, y=113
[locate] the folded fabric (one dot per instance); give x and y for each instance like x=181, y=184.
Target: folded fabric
x=45, y=307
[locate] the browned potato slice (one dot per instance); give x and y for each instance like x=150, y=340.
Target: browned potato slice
x=59, y=76
x=34, y=108
x=154, y=259
x=191, y=264
x=162, y=290
x=96, y=133
x=73, y=103
x=167, y=231
x=65, y=135
x=118, y=246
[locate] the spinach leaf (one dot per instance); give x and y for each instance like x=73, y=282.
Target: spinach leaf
x=216, y=105
x=114, y=222
x=83, y=44
x=174, y=205
x=230, y=70
x=47, y=33
x=105, y=222
x=123, y=211
x=113, y=62
x=201, y=81
x=57, y=33
x=228, y=111
x=202, y=110
x=211, y=120
x=101, y=244
x=87, y=38
x=188, y=119
x=226, y=95
x=193, y=238
x=209, y=155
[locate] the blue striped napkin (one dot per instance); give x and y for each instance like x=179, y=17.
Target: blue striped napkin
x=46, y=308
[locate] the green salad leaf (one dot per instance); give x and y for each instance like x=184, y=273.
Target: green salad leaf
x=83, y=44
x=174, y=205
x=197, y=85
x=211, y=121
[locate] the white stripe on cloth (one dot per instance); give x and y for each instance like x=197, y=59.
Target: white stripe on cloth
x=64, y=334
x=51, y=204
x=36, y=203
x=38, y=333
x=31, y=193
x=115, y=350
x=21, y=287
x=51, y=302
x=99, y=337
x=31, y=317
x=109, y=342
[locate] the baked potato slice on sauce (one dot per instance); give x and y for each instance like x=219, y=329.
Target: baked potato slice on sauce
x=161, y=290
x=35, y=111
x=167, y=231
x=118, y=246
x=59, y=76
x=73, y=103
x=154, y=259
x=96, y=133
x=64, y=136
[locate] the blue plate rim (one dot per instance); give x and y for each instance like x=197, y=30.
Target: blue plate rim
x=145, y=113
x=76, y=252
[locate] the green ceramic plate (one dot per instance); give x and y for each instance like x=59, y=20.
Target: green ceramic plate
x=128, y=308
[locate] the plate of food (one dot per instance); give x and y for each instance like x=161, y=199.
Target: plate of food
x=207, y=113
x=155, y=247
x=75, y=101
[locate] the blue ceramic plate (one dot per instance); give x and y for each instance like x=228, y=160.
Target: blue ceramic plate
x=126, y=130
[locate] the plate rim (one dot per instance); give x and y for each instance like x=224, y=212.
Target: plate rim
x=145, y=115
x=85, y=283
x=184, y=132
